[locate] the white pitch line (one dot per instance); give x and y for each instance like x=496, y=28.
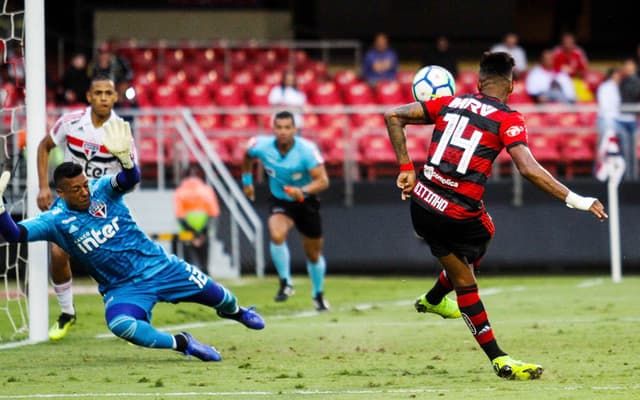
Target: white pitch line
x=571, y=388
x=590, y=283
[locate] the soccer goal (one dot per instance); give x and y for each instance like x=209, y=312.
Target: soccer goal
x=23, y=269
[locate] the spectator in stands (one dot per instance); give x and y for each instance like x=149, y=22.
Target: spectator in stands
x=380, y=61
x=441, y=55
x=75, y=81
x=609, y=101
x=113, y=65
x=197, y=209
x=287, y=96
x=546, y=85
x=628, y=121
x=569, y=57
x=510, y=44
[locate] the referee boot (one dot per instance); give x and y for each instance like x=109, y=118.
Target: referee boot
x=285, y=291
x=447, y=308
x=320, y=302
x=508, y=368
x=60, y=328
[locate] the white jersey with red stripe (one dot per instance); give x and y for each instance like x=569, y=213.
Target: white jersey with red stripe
x=81, y=141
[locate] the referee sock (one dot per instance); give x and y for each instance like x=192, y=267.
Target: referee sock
x=317, y=271
x=64, y=295
x=281, y=259
x=475, y=317
x=441, y=288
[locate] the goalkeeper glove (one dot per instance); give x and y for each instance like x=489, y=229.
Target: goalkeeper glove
x=4, y=181
x=118, y=141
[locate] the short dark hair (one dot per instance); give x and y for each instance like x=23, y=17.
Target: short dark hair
x=285, y=115
x=66, y=170
x=101, y=76
x=496, y=65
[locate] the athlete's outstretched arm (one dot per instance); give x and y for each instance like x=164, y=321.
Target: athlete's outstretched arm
x=11, y=231
x=539, y=176
x=396, y=120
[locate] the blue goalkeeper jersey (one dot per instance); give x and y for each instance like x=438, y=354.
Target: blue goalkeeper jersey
x=292, y=169
x=104, y=239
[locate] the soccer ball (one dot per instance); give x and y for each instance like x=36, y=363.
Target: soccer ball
x=432, y=81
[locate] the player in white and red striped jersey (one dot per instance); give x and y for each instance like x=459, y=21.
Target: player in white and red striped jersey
x=446, y=197
x=79, y=134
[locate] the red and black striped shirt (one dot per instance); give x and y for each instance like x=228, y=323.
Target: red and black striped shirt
x=469, y=133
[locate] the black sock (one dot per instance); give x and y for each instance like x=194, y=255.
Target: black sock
x=181, y=342
x=441, y=288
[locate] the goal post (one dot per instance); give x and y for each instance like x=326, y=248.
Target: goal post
x=35, y=100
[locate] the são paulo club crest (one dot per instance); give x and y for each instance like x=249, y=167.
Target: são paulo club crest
x=98, y=209
x=90, y=149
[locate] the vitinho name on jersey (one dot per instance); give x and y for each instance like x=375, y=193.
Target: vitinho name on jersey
x=91, y=240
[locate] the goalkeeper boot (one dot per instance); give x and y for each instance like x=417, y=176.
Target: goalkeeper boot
x=246, y=316
x=508, y=368
x=285, y=291
x=447, y=308
x=59, y=329
x=320, y=302
x=199, y=350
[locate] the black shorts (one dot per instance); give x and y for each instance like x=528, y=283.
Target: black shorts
x=305, y=215
x=467, y=238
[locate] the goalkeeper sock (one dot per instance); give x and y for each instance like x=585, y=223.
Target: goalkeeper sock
x=140, y=332
x=64, y=294
x=180, y=342
x=217, y=296
x=441, y=288
x=281, y=259
x=317, y=271
x=475, y=317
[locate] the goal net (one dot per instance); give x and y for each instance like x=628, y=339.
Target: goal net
x=23, y=289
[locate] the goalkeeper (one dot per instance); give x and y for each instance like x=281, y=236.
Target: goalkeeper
x=95, y=227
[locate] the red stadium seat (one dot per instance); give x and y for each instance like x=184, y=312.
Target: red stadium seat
x=267, y=58
x=147, y=152
x=173, y=58
x=220, y=146
x=207, y=59
x=377, y=156
x=325, y=94
x=345, y=78
x=389, y=93
x=229, y=95
x=237, y=122
x=259, y=95
x=143, y=60
x=166, y=95
x=208, y=122
x=545, y=148
x=211, y=79
x=310, y=122
x=367, y=120
x=467, y=82
x=239, y=58
x=306, y=80
x=579, y=153
x=593, y=78
x=242, y=78
x=405, y=78
x=196, y=95
x=271, y=78
x=417, y=148
x=359, y=93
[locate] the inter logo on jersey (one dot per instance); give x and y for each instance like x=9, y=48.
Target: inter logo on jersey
x=98, y=209
x=90, y=149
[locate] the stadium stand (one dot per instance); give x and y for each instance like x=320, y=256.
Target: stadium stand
x=207, y=78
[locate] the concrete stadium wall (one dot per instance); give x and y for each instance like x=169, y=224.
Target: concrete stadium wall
x=542, y=236
x=191, y=24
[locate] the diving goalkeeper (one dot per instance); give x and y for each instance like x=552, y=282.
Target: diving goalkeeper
x=94, y=226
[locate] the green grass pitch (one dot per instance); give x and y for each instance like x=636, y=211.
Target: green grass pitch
x=372, y=345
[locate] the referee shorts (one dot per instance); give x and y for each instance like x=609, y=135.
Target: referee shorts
x=468, y=238
x=305, y=215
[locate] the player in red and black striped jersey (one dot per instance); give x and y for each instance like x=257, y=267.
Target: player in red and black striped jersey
x=446, y=196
